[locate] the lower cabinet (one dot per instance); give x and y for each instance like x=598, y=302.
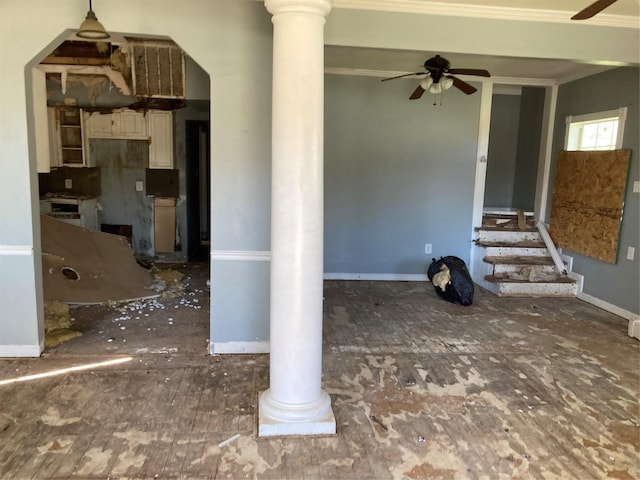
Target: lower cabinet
x=164, y=224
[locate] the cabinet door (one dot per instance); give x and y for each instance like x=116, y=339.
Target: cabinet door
x=71, y=137
x=164, y=224
x=160, y=139
x=54, y=138
x=99, y=125
x=132, y=125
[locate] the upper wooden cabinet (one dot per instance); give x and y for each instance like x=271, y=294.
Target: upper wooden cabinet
x=160, y=139
x=119, y=124
x=67, y=141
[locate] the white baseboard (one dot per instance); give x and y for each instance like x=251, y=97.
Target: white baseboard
x=217, y=348
x=634, y=318
x=20, y=351
x=385, y=277
x=634, y=328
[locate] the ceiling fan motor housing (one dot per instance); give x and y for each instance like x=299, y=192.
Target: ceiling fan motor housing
x=437, y=66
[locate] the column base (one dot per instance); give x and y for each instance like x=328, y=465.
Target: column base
x=280, y=419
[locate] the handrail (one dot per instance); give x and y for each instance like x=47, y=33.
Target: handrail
x=544, y=233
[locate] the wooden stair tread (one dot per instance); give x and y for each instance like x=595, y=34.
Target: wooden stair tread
x=506, y=279
x=506, y=228
x=519, y=260
x=521, y=244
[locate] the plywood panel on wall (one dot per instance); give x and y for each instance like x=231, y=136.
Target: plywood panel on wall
x=587, y=202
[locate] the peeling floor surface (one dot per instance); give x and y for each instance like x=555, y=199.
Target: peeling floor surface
x=421, y=389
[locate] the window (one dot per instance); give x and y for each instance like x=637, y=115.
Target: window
x=596, y=131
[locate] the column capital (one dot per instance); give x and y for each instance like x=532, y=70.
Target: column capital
x=316, y=7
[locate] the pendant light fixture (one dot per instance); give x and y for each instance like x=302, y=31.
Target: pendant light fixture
x=91, y=28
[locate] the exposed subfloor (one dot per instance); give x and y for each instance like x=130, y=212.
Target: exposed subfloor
x=505, y=388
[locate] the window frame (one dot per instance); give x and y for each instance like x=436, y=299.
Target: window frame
x=619, y=113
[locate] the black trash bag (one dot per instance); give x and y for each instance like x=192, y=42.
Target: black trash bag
x=451, y=279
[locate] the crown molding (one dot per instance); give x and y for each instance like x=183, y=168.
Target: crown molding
x=486, y=11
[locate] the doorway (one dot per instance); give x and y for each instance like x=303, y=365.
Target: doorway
x=198, y=189
x=515, y=135
x=107, y=157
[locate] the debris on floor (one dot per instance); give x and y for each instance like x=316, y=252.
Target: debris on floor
x=451, y=279
x=82, y=266
x=168, y=281
x=57, y=324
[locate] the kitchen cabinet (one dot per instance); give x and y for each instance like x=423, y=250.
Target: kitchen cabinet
x=164, y=224
x=68, y=144
x=119, y=124
x=79, y=211
x=130, y=124
x=54, y=140
x=160, y=124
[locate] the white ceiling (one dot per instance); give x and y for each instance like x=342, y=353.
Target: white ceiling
x=621, y=7
x=383, y=62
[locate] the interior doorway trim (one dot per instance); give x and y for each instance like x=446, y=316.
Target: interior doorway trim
x=478, y=268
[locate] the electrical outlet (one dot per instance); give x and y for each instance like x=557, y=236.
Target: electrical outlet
x=427, y=248
x=636, y=187
x=631, y=253
x=68, y=183
x=139, y=186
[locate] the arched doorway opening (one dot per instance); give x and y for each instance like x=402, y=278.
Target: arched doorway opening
x=116, y=183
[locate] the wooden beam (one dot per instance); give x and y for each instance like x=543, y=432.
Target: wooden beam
x=51, y=60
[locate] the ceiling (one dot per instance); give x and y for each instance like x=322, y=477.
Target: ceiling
x=621, y=7
x=385, y=62
x=382, y=62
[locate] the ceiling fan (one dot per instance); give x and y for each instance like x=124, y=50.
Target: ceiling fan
x=593, y=9
x=439, y=76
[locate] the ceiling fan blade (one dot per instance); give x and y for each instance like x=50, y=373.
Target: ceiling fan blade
x=417, y=93
x=593, y=9
x=462, y=85
x=403, y=75
x=469, y=71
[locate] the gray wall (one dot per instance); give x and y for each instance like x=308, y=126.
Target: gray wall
x=399, y=173
x=528, y=152
x=503, y=147
x=121, y=164
x=232, y=42
x=617, y=284
x=240, y=172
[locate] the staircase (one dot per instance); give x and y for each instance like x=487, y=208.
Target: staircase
x=522, y=264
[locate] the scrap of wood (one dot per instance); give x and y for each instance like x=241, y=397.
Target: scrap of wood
x=229, y=440
x=522, y=221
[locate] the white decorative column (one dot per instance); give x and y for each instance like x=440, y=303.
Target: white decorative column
x=295, y=403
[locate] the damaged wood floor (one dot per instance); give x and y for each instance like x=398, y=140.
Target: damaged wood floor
x=505, y=388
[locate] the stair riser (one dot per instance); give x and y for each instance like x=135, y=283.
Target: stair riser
x=508, y=237
x=524, y=269
x=515, y=251
x=536, y=289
